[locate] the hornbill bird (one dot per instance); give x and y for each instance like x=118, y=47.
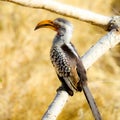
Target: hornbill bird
x=67, y=62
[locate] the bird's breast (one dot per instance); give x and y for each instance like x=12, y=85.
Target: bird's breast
x=60, y=62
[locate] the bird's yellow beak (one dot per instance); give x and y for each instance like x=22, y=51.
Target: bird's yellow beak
x=46, y=24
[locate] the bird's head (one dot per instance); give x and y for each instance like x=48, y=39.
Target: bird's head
x=63, y=28
x=60, y=25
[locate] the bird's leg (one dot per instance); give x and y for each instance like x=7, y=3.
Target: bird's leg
x=65, y=87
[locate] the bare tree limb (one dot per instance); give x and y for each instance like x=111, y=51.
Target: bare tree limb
x=66, y=10
x=104, y=44
x=56, y=106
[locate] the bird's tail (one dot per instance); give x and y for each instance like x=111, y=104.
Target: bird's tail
x=91, y=102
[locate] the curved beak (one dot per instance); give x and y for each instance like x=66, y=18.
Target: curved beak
x=46, y=24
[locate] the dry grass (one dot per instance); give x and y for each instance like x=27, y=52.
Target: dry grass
x=28, y=80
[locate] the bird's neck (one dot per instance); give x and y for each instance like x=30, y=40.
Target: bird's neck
x=62, y=38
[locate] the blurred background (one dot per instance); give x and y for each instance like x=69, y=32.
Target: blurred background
x=28, y=81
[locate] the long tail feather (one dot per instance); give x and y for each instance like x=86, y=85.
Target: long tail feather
x=91, y=102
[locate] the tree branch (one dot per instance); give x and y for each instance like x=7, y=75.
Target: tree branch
x=66, y=10
x=56, y=106
x=105, y=43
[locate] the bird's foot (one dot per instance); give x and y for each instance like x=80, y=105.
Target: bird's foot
x=69, y=91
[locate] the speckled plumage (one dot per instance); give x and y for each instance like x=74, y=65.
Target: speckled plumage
x=60, y=62
x=66, y=64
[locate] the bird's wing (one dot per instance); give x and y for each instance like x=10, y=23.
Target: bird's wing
x=73, y=78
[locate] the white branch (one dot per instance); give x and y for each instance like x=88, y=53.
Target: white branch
x=56, y=106
x=66, y=10
x=105, y=43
